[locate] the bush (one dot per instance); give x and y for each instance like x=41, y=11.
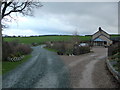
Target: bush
x=114, y=53
x=18, y=54
x=14, y=49
x=69, y=51
x=81, y=50
x=6, y=50
x=68, y=48
x=35, y=44
x=23, y=49
x=11, y=55
x=113, y=49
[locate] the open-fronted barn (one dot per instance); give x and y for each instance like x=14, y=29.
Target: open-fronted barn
x=101, y=38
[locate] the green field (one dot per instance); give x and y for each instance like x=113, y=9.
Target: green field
x=43, y=39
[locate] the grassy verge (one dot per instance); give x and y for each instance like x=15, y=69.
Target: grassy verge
x=116, y=58
x=0, y=67
x=50, y=49
x=7, y=66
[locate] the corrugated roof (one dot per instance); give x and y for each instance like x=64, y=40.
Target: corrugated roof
x=98, y=39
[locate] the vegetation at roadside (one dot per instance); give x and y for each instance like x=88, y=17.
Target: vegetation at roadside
x=8, y=66
x=115, y=55
x=116, y=58
x=72, y=47
x=51, y=49
x=14, y=49
x=11, y=52
x=0, y=68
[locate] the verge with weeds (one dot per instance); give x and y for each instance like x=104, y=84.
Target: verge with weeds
x=8, y=66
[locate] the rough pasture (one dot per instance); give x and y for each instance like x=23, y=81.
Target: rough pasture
x=43, y=39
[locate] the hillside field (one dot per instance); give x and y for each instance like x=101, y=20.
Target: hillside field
x=43, y=39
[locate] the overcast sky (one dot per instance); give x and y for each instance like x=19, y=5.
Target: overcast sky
x=65, y=18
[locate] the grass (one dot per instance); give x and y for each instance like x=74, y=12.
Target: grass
x=0, y=67
x=43, y=39
x=8, y=66
x=115, y=35
x=50, y=49
x=116, y=58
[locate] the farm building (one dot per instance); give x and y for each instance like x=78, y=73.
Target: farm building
x=101, y=38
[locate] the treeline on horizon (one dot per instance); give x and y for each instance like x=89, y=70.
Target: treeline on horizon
x=54, y=35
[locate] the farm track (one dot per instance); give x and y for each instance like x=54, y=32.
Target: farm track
x=48, y=70
x=89, y=70
x=44, y=69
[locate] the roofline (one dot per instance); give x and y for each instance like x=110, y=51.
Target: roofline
x=103, y=31
x=101, y=35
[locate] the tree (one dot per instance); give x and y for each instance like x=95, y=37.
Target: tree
x=76, y=38
x=0, y=37
x=25, y=8
x=13, y=6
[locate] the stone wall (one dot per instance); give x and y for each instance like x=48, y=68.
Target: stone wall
x=14, y=59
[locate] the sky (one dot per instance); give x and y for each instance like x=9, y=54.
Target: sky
x=66, y=18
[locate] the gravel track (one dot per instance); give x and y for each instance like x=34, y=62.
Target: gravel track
x=89, y=70
x=102, y=76
x=42, y=70
x=48, y=70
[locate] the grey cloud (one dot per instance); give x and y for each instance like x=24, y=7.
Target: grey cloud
x=66, y=17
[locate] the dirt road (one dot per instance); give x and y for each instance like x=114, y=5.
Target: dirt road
x=48, y=70
x=89, y=70
x=43, y=70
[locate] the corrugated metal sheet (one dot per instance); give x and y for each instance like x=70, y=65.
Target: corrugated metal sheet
x=98, y=39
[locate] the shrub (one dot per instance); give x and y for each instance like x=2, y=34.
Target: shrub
x=35, y=44
x=60, y=53
x=6, y=50
x=18, y=54
x=14, y=49
x=81, y=50
x=23, y=49
x=68, y=48
x=69, y=51
x=114, y=53
x=113, y=49
x=11, y=55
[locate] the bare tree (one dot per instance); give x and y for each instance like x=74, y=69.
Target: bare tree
x=76, y=38
x=75, y=33
x=25, y=8
x=8, y=7
x=0, y=38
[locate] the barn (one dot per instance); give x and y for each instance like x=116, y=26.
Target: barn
x=101, y=38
